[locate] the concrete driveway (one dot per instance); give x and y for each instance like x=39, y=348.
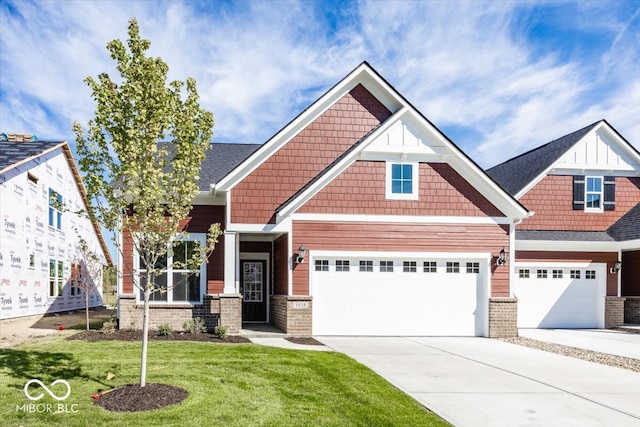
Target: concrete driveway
x=483, y=382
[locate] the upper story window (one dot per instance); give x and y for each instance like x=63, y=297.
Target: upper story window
x=55, y=214
x=594, y=193
x=402, y=181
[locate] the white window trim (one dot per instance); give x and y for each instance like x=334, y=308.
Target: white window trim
x=586, y=192
x=415, y=178
x=202, y=238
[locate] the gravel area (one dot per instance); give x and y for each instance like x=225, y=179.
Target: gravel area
x=578, y=353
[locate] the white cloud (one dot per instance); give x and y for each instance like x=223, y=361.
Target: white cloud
x=465, y=65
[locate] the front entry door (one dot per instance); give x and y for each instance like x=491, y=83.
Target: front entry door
x=253, y=287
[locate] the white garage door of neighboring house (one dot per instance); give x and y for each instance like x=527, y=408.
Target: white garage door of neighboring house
x=560, y=295
x=384, y=295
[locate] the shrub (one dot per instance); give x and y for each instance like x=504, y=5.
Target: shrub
x=194, y=326
x=165, y=330
x=108, y=327
x=221, y=332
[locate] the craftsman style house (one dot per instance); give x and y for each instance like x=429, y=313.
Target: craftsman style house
x=577, y=259
x=40, y=191
x=359, y=217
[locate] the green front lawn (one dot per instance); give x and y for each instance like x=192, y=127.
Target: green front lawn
x=228, y=385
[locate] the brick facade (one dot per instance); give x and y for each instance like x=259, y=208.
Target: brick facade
x=632, y=310
x=130, y=313
x=231, y=312
x=503, y=317
x=613, y=311
x=292, y=314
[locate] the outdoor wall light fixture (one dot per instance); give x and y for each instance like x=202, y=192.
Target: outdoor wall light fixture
x=502, y=258
x=301, y=253
x=616, y=267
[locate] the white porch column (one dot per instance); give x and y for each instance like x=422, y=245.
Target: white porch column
x=230, y=262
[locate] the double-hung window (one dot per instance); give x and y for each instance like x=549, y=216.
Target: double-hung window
x=593, y=193
x=56, y=278
x=177, y=280
x=55, y=214
x=402, y=181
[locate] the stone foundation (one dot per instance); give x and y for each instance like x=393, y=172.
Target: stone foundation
x=632, y=310
x=503, y=317
x=613, y=311
x=130, y=313
x=292, y=314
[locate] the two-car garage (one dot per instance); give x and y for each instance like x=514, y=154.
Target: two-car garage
x=383, y=294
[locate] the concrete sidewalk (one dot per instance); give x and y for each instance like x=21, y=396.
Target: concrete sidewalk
x=602, y=340
x=483, y=382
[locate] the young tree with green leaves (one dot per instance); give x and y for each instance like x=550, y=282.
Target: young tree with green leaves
x=86, y=272
x=141, y=157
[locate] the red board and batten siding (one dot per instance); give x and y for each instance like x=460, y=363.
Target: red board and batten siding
x=198, y=221
x=281, y=265
x=254, y=200
x=552, y=201
x=567, y=257
x=361, y=190
x=381, y=237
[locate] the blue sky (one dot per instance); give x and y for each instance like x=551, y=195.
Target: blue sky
x=498, y=78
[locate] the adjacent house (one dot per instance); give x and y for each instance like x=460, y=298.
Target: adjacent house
x=40, y=188
x=577, y=259
x=360, y=217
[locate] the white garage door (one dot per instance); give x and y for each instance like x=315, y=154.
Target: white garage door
x=399, y=296
x=560, y=296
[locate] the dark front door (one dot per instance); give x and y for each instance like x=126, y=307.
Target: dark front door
x=253, y=287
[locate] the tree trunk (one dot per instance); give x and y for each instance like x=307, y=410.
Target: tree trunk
x=86, y=307
x=145, y=332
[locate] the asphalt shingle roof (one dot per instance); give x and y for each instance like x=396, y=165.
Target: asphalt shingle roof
x=222, y=159
x=15, y=152
x=514, y=174
x=565, y=236
x=628, y=226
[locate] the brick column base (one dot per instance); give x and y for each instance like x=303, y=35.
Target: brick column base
x=231, y=312
x=613, y=311
x=632, y=310
x=292, y=314
x=503, y=317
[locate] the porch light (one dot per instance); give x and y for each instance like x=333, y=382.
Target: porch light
x=616, y=267
x=502, y=258
x=301, y=253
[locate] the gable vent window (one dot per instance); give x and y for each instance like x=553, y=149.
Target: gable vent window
x=402, y=181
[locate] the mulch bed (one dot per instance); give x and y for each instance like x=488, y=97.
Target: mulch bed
x=136, y=335
x=304, y=341
x=133, y=398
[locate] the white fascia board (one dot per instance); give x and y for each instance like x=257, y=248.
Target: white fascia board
x=566, y=246
x=361, y=75
x=397, y=254
x=337, y=169
x=404, y=219
x=281, y=227
x=206, y=198
x=470, y=171
x=594, y=172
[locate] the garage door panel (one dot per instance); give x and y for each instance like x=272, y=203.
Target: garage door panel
x=564, y=302
x=399, y=303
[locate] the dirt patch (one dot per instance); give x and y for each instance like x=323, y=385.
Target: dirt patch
x=133, y=398
x=22, y=329
x=304, y=341
x=136, y=335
